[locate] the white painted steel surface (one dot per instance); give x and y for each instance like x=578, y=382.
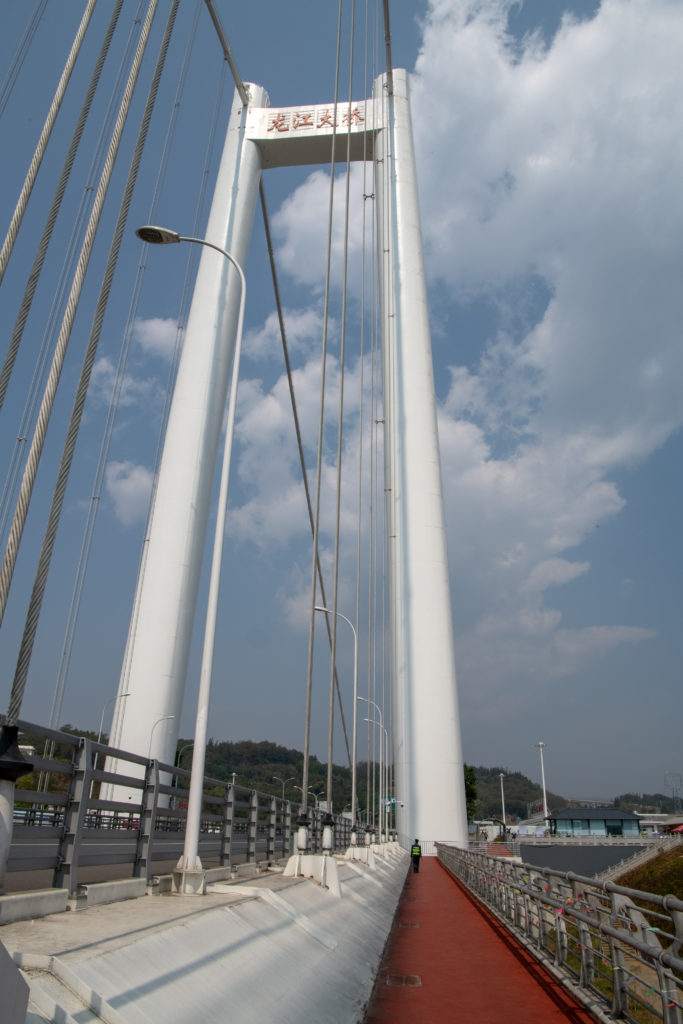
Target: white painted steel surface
x=427, y=748
x=155, y=664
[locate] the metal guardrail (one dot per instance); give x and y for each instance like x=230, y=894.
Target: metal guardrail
x=617, y=949
x=68, y=828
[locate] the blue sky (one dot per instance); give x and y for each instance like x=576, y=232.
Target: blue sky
x=549, y=157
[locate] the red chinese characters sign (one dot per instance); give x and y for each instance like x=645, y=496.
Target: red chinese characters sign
x=281, y=121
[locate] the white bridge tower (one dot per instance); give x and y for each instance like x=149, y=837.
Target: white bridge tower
x=427, y=753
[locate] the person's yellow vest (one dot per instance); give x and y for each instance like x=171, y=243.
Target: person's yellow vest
x=415, y=851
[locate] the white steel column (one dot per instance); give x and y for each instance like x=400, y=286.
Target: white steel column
x=156, y=659
x=427, y=753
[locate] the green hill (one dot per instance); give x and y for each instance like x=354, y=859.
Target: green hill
x=661, y=875
x=522, y=796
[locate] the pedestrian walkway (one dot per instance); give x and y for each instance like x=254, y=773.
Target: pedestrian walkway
x=448, y=960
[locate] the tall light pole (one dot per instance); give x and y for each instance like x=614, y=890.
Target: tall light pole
x=276, y=778
x=381, y=744
x=354, y=741
x=541, y=747
x=190, y=860
x=502, y=799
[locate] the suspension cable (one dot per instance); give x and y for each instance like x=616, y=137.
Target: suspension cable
x=227, y=53
x=68, y=263
x=19, y=521
x=340, y=421
x=20, y=54
x=387, y=47
x=43, y=141
x=299, y=440
x=47, y=549
x=316, y=518
x=36, y=269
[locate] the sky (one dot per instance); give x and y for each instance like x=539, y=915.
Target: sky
x=549, y=159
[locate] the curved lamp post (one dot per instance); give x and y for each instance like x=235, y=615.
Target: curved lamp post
x=190, y=861
x=541, y=746
x=502, y=799
x=276, y=778
x=354, y=742
x=382, y=784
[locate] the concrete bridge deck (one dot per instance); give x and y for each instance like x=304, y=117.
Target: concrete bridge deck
x=447, y=959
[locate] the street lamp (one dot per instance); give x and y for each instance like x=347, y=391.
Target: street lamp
x=164, y=718
x=276, y=778
x=179, y=755
x=381, y=775
x=112, y=700
x=190, y=860
x=541, y=746
x=354, y=742
x=502, y=799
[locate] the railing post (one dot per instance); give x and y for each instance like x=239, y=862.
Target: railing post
x=287, y=830
x=671, y=1010
x=272, y=825
x=228, y=818
x=619, y=980
x=253, y=824
x=66, y=872
x=148, y=818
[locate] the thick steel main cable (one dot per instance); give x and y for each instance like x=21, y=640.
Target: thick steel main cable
x=41, y=252
x=19, y=521
x=69, y=260
x=39, y=152
x=37, y=594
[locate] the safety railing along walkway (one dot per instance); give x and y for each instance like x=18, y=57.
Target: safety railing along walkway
x=618, y=950
x=447, y=959
x=64, y=834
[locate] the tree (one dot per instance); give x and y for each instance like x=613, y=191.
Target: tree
x=471, y=795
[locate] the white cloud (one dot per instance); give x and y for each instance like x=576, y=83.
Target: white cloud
x=135, y=391
x=553, y=571
x=129, y=486
x=303, y=330
x=301, y=227
x=156, y=336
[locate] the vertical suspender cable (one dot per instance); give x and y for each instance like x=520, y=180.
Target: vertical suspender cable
x=50, y=221
x=340, y=425
x=40, y=581
x=20, y=55
x=43, y=141
x=299, y=439
x=321, y=413
x=62, y=342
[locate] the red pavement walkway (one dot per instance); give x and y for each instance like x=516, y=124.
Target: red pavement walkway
x=447, y=959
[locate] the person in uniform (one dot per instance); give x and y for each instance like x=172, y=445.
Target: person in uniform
x=416, y=853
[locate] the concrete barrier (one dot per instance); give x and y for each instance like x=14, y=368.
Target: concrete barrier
x=22, y=906
x=94, y=894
